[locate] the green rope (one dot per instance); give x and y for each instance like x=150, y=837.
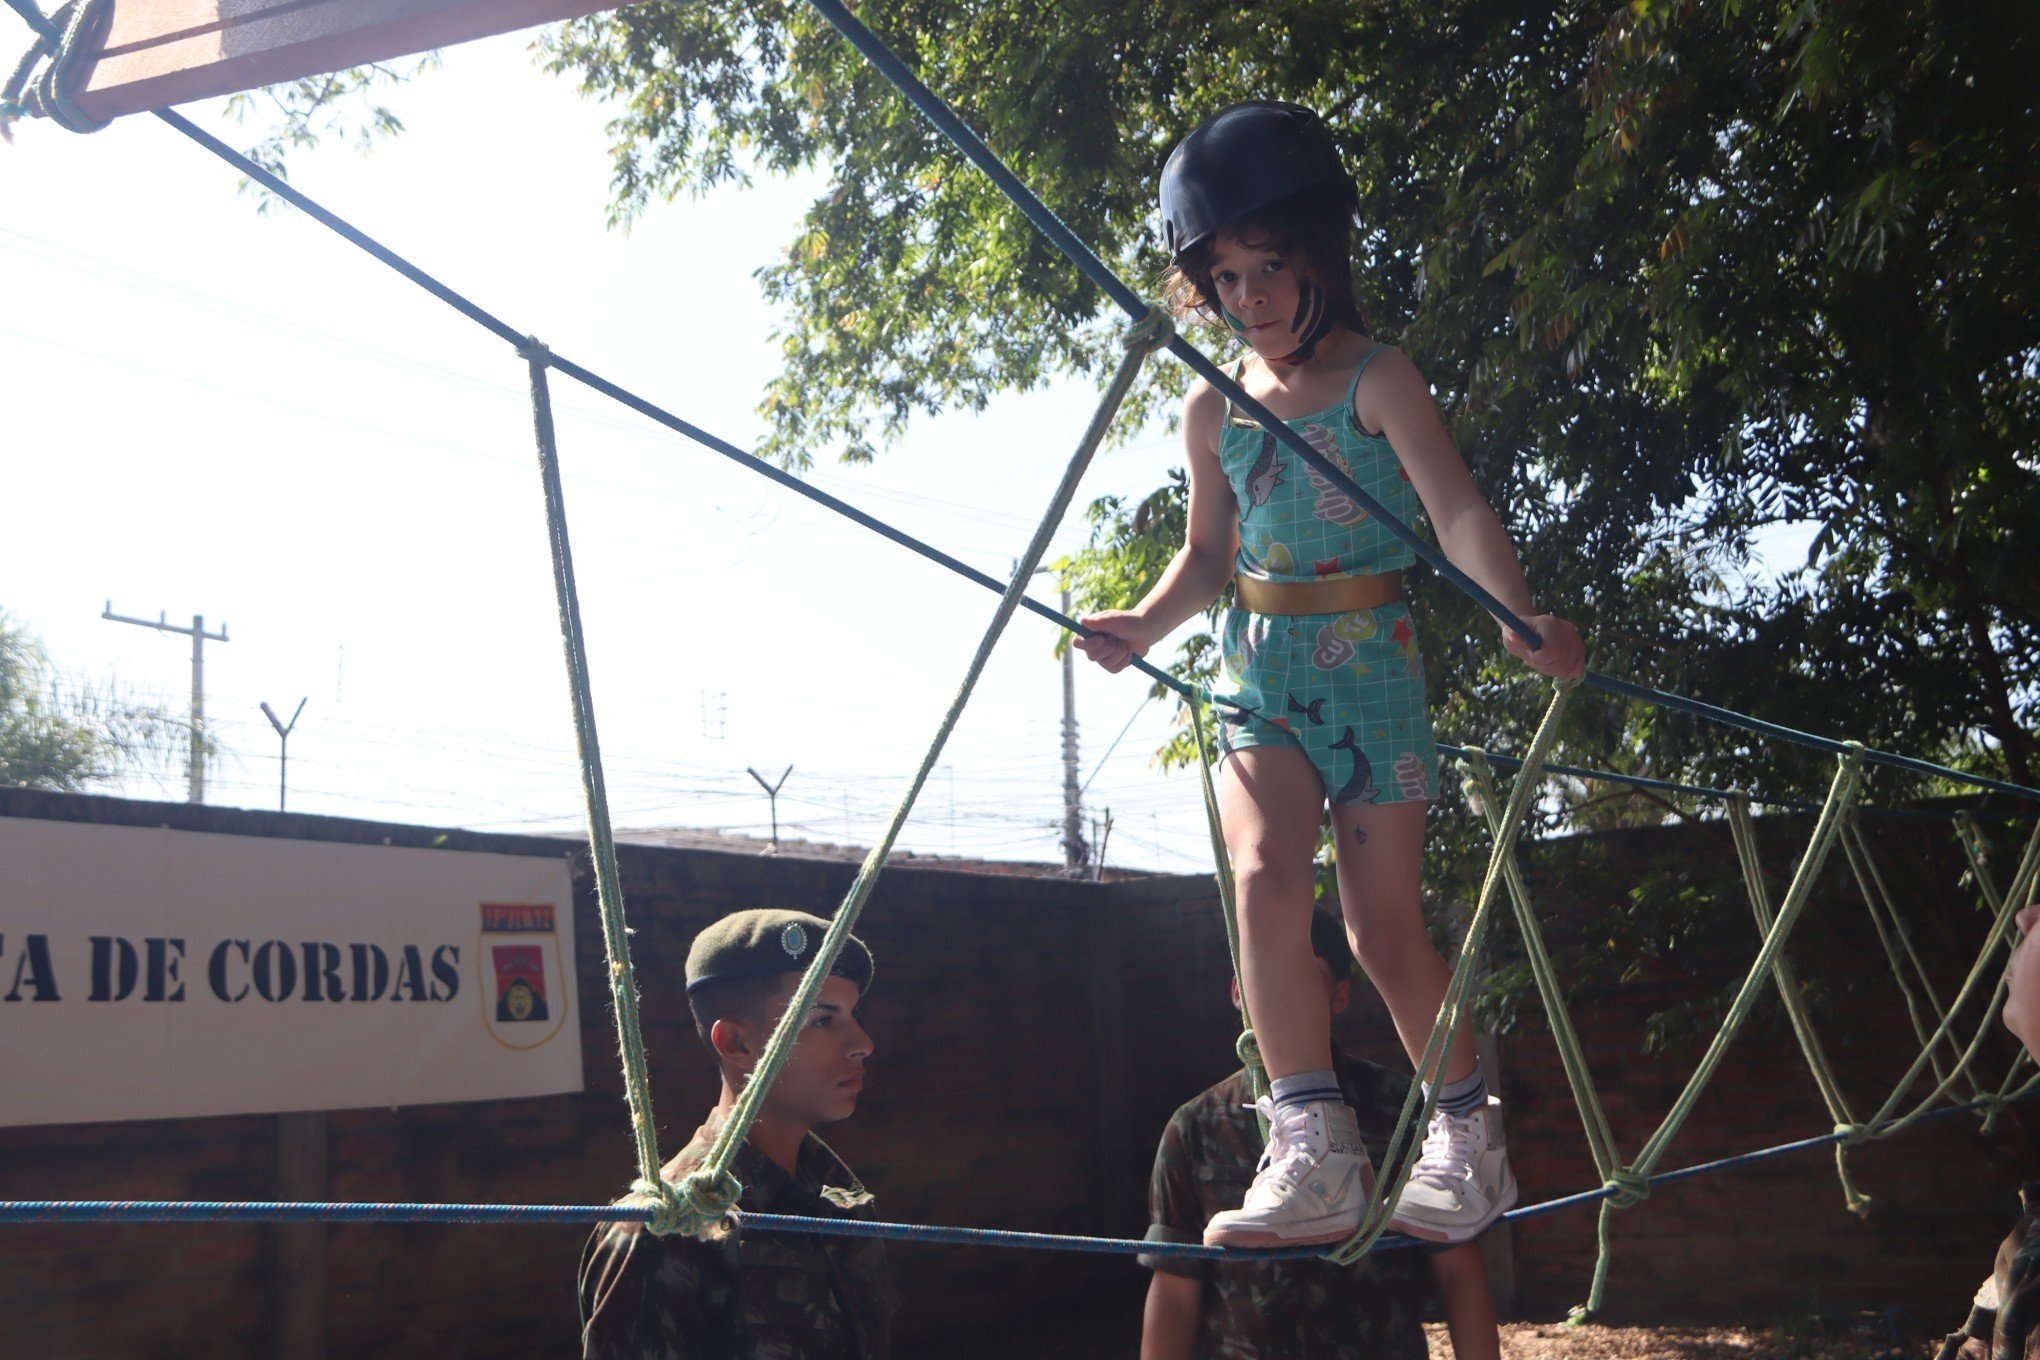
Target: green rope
x=2006, y=1094
x=76, y=27
x=1479, y=784
x=1742, y=829
x=1627, y=1186
x=1419, y=1105
x=713, y=1177
x=1841, y=794
x=1896, y=939
x=1248, y=1047
x=701, y=1205
x=2017, y=893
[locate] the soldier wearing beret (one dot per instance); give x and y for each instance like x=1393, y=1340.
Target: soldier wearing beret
x=757, y=1295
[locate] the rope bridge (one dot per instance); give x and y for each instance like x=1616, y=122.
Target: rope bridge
x=706, y=1199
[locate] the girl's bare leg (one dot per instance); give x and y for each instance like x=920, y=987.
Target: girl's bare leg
x=1271, y=802
x=1381, y=856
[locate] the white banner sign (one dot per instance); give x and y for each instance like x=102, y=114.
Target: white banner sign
x=149, y=974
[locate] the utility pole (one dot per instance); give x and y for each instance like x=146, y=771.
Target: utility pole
x=772, y=795
x=283, y=731
x=1076, y=853
x=199, y=637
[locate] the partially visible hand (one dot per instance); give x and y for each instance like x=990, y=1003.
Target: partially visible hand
x=1562, y=657
x=1117, y=637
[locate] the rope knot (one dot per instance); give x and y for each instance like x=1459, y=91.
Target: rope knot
x=1993, y=1106
x=532, y=348
x=1630, y=1187
x=1153, y=331
x=1852, y=1134
x=1249, y=1048
x=77, y=26
x=699, y=1206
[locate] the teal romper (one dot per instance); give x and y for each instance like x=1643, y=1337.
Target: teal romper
x=1347, y=688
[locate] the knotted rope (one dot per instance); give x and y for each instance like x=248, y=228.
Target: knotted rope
x=65, y=37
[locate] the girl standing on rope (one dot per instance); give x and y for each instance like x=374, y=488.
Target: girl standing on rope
x=1257, y=212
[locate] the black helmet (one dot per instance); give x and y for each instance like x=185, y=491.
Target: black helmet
x=1241, y=159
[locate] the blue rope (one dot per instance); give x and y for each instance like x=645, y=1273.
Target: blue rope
x=1705, y=791
x=274, y=1211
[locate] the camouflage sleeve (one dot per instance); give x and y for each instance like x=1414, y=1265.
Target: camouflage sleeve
x=1174, y=1212
x=639, y=1301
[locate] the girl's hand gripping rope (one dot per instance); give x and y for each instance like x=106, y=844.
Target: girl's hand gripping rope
x=1117, y=637
x=1562, y=657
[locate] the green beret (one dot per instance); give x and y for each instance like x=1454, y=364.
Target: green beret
x=765, y=941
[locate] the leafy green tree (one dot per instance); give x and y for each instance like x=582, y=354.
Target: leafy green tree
x=1679, y=273
x=68, y=740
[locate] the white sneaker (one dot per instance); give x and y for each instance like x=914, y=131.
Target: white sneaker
x=1313, y=1185
x=1462, y=1183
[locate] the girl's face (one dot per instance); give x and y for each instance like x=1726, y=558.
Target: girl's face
x=1272, y=295
x=2022, y=1005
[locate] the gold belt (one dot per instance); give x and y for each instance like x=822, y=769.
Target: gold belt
x=1326, y=595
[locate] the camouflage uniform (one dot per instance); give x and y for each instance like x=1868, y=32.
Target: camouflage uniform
x=1299, y=1310
x=2006, y=1316
x=757, y=1296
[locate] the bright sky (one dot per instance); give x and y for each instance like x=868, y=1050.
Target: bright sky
x=214, y=411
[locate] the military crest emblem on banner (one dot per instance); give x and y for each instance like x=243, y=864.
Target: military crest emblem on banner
x=523, y=975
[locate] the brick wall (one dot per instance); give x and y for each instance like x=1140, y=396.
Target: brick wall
x=1032, y=1037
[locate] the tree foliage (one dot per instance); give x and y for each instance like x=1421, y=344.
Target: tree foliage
x=68, y=739
x=299, y=114
x=1679, y=272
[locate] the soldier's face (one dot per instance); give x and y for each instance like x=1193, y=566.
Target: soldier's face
x=824, y=1074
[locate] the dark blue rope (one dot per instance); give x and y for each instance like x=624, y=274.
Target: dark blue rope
x=274, y=1211
x=1705, y=791
x=945, y=120
x=1728, y=717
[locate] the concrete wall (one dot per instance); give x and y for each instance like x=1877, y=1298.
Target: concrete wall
x=1032, y=1037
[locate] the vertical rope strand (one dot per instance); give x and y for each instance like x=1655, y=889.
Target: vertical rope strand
x=1898, y=946
x=1248, y=1047
x=1480, y=786
x=637, y=1087
x=1742, y=830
